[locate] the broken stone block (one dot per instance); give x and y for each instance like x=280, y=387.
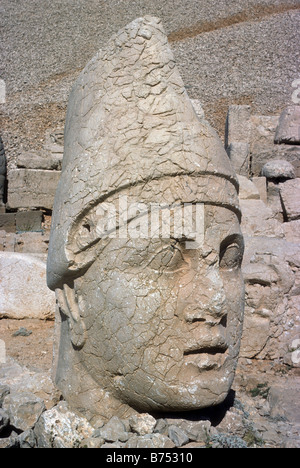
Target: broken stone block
x=261, y=185
x=258, y=220
x=23, y=288
x=8, y=222
x=32, y=188
x=292, y=231
x=288, y=130
x=263, y=130
x=262, y=155
x=290, y=196
x=278, y=169
x=239, y=155
x=23, y=409
x=40, y=160
x=29, y=221
x=60, y=428
x=248, y=190
x=238, y=124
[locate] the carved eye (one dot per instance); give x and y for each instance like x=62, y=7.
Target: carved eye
x=231, y=256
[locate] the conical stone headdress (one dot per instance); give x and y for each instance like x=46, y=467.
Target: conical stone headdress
x=131, y=124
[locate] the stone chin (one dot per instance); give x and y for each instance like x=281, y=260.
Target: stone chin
x=205, y=391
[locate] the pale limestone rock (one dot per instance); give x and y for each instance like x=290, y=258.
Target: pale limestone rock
x=258, y=220
x=60, y=428
x=142, y=424
x=23, y=287
x=290, y=196
x=278, y=169
x=288, y=130
x=23, y=409
x=248, y=190
x=32, y=188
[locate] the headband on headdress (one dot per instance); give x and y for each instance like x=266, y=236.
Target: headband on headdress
x=130, y=123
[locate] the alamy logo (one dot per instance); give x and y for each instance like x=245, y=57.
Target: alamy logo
x=2, y=352
x=296, y=93
x=142, y=221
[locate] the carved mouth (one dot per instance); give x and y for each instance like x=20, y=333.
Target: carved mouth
x=207, y=357
x=212, y=350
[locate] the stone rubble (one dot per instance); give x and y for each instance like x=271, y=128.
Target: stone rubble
x=256, y=415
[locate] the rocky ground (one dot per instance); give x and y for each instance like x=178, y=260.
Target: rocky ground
x=260, y=412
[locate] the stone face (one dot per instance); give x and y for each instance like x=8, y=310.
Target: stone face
x=23, y=288
x=32, y=188
x=278, y=169
x=131, y=335
x=290, y=196
x=288, y=130
x=271, y=274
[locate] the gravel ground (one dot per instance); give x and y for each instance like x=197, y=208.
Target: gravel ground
x=242, y=51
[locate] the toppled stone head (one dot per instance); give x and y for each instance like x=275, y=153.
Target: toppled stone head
x=146, y=249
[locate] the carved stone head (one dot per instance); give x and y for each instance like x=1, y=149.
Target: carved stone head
x=148, y=319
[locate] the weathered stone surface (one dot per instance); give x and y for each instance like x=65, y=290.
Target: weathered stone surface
x=23, y=288
x=149, y=441
x=131, y=130
x=23, y=409
x=288, y=130
x=113, y=431
x=178, y=436
x=239, y=155
x=18, y=379
x=8, y=222
x=271, y=274
x=290, y=196
x=292, y=231
x=263, y=128
x=4, y=420
x=60, y=428
x=283, y=400
x=278, y=169
x=142, y=424
x=29, y=221
x=248, y=190
x=259, y=220
x=4, y=391
x=261, y=185
x=2, y=172
x=42, y=161
x=261, y=155
x=32, y=188
x=238, y=125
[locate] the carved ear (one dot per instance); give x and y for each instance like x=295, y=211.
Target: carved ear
x=68, y=303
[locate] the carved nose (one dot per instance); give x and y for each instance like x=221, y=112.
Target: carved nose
x=208, y=304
